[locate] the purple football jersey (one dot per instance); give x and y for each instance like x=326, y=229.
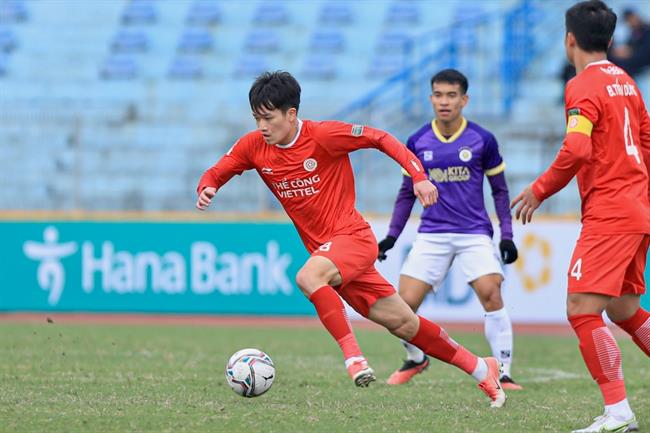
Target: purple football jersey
x=457, y=166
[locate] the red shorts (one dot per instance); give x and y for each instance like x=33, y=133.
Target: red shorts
x=354, y=256
x=611, y=265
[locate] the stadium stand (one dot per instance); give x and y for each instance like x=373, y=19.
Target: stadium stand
x=162, y=86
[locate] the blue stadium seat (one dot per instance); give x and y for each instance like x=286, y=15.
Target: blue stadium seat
x=196, y=40
x=130, y=41
x=327, y=40
x=265, y=40
x=8, y=40
x=13, y=11
x=385, y=65
x=186, y=68
x=204, y=13
x=393, y=41
x=335, y=13
x=402, y=12
x=319, y=67
x=250, y=66
x=119, y=67
x=140, y=12
x=271, y=14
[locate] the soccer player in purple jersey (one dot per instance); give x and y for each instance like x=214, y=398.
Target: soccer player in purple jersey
x=457, y=154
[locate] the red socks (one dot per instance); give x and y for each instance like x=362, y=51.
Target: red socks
x=638, y=326
x=434, y=341
x=332, y=315
x=601, y=354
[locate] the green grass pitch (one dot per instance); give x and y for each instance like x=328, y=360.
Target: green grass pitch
x=112, y=378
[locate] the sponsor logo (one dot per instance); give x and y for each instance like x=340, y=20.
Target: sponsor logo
x=450, y=174
x=427, y=155
x=465, y=154
x=357, y=130
x=310, y=164
x=50, y=273
x=534, y=252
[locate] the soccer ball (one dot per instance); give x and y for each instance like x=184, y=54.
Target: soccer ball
x=250, y=372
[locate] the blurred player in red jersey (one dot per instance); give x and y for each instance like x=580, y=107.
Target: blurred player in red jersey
x=607, y=145
x=306, y=166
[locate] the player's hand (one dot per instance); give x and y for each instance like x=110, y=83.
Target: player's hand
x=508, y=251
x=526, y=203
x=426, y=192
x=205, y=197
x=385, y=245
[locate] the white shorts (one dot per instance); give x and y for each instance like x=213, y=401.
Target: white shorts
x=432, y=255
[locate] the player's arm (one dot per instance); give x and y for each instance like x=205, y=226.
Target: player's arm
x=401, y=212
x=235, y=161
x=340, y=138
x=645, y=139
x=494, y=168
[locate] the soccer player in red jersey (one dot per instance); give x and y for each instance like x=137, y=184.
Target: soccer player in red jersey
x=306, y=166
x=607, y=146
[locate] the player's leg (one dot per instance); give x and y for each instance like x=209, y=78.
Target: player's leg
x=396, y=316
x=477, y=259
x=424, y=269
x=412, y=291
x=315, y=279
x=626, y=310
x=596, y=276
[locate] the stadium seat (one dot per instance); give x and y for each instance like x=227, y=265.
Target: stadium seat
x=119, y=67
x=402, y=12
x=196, y=40
x=271, y=14
x=139, y=12
x=259, y=40
x=8, y=40
x=204, y=13
x=327, y=41
x=393, y=41
x=13, y=11
x=250, y=65
x=320, y=67
x=130, y=41
x=385, y=65
x=186, y=68
x=335, y=13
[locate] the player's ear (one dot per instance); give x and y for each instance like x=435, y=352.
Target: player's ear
x=292, y=113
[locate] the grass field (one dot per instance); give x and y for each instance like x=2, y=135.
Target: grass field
x=110, y=378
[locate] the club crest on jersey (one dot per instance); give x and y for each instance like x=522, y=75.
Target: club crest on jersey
x=427, y=155
x=465, y=154
x=310, y=164
x=357, y=130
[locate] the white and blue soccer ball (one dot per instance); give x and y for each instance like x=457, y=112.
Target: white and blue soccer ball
x=250, y=372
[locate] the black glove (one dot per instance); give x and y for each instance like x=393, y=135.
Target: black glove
x=385, y=245
x=508, y=251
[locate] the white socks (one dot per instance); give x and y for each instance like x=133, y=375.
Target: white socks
x=498, y=332
x=413, y=353
x=620, y=410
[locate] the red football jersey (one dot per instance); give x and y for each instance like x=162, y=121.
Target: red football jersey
x=312, y=176
x=605, y=103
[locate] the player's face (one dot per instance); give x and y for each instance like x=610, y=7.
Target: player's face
x=448, y=101
x=276, y=127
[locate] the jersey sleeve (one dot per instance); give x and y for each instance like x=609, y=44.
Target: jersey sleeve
x=644, y=135
x=492, y=161
x=340, y=138
x=235, y=161
x=403, y=207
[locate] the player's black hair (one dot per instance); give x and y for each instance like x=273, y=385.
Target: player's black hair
x=592, y=23
x=451, y=76
x=273, y=90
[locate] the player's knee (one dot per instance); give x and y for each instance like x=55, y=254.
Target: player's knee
x=491, y=298
x=307, y=281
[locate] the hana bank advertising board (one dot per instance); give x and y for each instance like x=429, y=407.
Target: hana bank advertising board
x=239, y=268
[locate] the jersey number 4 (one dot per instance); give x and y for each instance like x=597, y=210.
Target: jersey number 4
x=576, y=270
x=630, y=148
